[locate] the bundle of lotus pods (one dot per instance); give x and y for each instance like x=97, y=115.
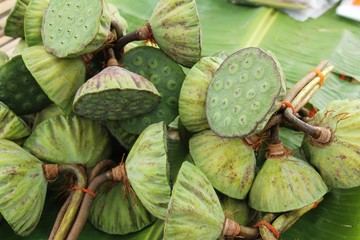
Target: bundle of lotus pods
x=155, y=134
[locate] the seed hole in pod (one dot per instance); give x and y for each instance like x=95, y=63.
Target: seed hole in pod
x=62, y=42
x=146, y=121
x=80, y=20
x=155, y=79
x=228, y=83
x=11, y=87
x=259, y=72
x=233, y=67
x=216, y=117
x=153, y=63
x=213, y=101
x=172, y=101
x=250, y=94
x=224, y=103
x=76, y=37
x=77, y=6
x=166, y=71
x=264, y=86
x=69, y=18
x=27, y=105
x=237, y=92
x=242, y=120
x=161, y=113
x=32, y=90
x=236, y=109
x=218, y=85
x=18, y=96
x=227, y=121
x=137, y=61
x=248, y=62
x=60, y=16
x=171, y=84
x=255, y=105
x=243, y=77
x=86, y=27
x=52, y=11
x=68, y=4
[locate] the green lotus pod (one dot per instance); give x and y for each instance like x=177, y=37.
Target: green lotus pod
x=285, y=184
x=72, y=28
x=176, y=29
x=11, y=126
x=239, y=211
x=115, y=93
x=58, y=78
x=116, y=16
x=148, y=171
x=14, y=26
x=22, y=188
x=19, y=90
x=228, y=163
x=3, y=58
x=69, y=140
x=33, y=19
x=116, y=211
x=125, y=138
x=50, y=111
x=337, y=162
x=194, y=210
x=192, y=109
x=166, y=75
x=244, y=93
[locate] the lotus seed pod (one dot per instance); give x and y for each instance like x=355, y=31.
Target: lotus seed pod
x=22, y=188
x=115, y=93
x=285, y=184
x=148, y=169
x=176, y=29
x=72, y=28
x=177, y=153
x=166, y=75
x=49, y=112
x=14, y=26
x=11, y=126
x=33, y=21
x=125, y=139
x=19, y=90
x=116, y=16
x=58, y=78
x=3, y=58
x=69, y=140
x=194, y=211
x=228, y=163
x=192, y=107
x=244, y=93
x=338, y=162
x=115, y=211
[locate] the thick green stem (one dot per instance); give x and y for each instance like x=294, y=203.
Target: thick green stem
x=60, y=217
x=75, y=202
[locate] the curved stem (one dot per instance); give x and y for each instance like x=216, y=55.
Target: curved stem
x=85, y=205
x=60, y=217
x=100, y=167
x=143, y=33
x=274, y=135
x=76, y=199
x=118, y=29
x=291, y=94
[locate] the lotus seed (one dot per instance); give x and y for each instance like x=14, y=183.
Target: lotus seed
x=161, y=113
x=244, y=77
x=259, y=73
x=264, y=86
x=155, y=79
x=153, y=63
x=224, y=103
x=233, y=67
x=218, y=85
x=236, y=109
x=255, y=105
x=227, y=121
x=146, y=120
x=166, y=71
x=171, y=101
x=213, y=101
x=250, y=94
x=237, y=92
x=242, y=120
x=18, y=97
x=27, y=105
x=248, y=62
x=216, y=117
x=228, y=83
x=171, y=84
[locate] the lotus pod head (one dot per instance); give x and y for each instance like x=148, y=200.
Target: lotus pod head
x=244, y=93
x=3, y=58
x=58, y=78
x=148, y=169
x=125, y=138
x=115, y=211
x=192, y=100
x=166, y=75
x=69, y=140
x=194, y=211
x=33, y=19
x=285, y=184
x=19, y=89
x=14, y=25
x=68, y=31
x=22, y=189
x=228, y=163
x=176, y=29
x=48, y=112
x=339, y=161
x=12, y=127
x=114, y=94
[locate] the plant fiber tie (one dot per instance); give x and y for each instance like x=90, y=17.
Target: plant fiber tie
x=320, y=75
x=289, y=105
x=269, y=226
x=88, y=191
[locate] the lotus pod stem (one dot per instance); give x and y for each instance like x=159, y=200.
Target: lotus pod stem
x=75, y=202
x=143, y=33
x=60, y=216
x=320, y=134
x=100, y=167
x=232, y=229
